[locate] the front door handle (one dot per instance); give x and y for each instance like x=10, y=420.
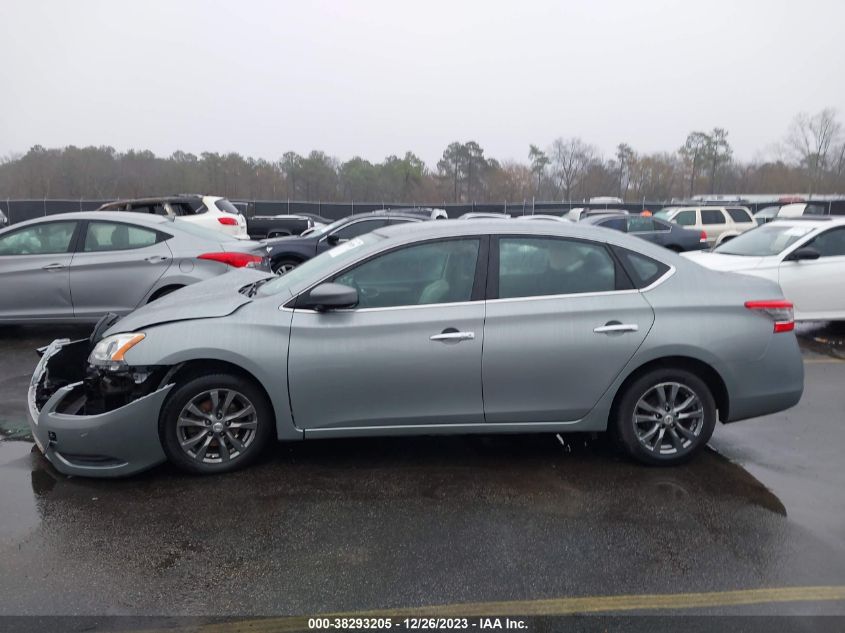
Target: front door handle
x=453, y=336
x=53, y=267
x=616, y=327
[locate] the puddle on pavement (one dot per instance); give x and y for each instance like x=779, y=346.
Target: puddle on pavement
x=20, y=512
x=14, y=429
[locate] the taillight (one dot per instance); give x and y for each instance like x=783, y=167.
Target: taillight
x=227, y=221
x=780, y=311
x=703, y=237
x=236, y=260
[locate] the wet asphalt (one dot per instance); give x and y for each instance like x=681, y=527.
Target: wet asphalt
x=404, y=522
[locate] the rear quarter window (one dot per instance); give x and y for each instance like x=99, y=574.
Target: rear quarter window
x=642, y=269
x=739, y=215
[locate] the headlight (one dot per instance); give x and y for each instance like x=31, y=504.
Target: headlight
x=111, y=349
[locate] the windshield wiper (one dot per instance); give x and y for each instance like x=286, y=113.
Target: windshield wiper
x=250, y=289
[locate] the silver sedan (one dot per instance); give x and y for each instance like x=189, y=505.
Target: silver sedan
x=481, y=326
x=80, y=266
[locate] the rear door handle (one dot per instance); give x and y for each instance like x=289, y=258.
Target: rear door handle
x=616, y=327
x=53, y=267
x=155, y=259
x=453, y=336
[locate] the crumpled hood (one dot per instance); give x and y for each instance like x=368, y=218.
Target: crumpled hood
x=212, y=298
x=718, y=261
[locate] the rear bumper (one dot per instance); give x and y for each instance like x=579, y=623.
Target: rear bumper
x=769, y=384
x=116, y=443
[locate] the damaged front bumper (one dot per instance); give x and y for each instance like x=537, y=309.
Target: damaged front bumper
x=83, y=434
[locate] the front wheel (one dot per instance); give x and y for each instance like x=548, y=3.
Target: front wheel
x=665, y=417
x=215, y=424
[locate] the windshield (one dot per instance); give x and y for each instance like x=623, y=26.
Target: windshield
x=318, y=266
x=764, y=241
x=322, y=230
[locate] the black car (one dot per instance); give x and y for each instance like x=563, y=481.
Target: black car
x=668, y=234
x=286, y=253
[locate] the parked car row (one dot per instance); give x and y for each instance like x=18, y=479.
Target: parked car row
x=719, y=223
x=80, y=266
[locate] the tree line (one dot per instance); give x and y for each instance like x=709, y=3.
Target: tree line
x=810, y=158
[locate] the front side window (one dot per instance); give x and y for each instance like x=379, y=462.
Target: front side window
x=538, y=266
x=42, y=239
x=685, y=218
x=433, y=272
x=830, y=243
x=712, y=216
x=354, y=229
x=114, y=236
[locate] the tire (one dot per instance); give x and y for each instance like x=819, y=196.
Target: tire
x=204, y=454
x=284, y=265
x=679, y=440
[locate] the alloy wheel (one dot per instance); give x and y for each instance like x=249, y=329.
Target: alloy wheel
x=217, y=426
x=668, y=418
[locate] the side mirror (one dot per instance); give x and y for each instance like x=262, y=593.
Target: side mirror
x=333, y=239
x=330, y=297
x=804, y=253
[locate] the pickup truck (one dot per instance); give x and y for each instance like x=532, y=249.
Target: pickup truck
x=262, y=227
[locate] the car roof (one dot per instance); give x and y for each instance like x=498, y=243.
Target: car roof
x=182, y=197
x=144, y=219
x=484, y=226
x=595, y=217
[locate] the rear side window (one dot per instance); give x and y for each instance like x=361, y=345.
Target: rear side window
x=685, y=218
x=617, y=224
x=814, y=209
x=712, y=216
x=540, y=266
x=643, y=270
x=640, y=224
x=114, y=236
x=739, y=215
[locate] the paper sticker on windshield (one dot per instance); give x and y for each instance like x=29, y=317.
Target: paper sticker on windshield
x=346, y=247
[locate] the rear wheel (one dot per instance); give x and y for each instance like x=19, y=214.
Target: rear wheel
x=215, y=424
x=665, y=416
x=282, y=266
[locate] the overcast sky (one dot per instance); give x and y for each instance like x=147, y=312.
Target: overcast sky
x=372, y=77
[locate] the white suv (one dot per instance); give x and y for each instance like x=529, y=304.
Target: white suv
x=719, y=223
x=211, y=212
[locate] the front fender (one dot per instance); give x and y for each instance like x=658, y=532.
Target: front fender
x=254, y=339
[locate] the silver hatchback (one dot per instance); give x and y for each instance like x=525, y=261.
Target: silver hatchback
x=479, y=326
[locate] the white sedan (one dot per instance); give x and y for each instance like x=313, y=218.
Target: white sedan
x=805, y=256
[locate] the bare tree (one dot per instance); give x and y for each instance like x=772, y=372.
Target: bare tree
x=810, y=139
x=694, y=152
x=539, y=162
x=570, y=159
x=719, y=152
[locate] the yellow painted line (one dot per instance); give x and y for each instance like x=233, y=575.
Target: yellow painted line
x=554, y=607
x=823, y=361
